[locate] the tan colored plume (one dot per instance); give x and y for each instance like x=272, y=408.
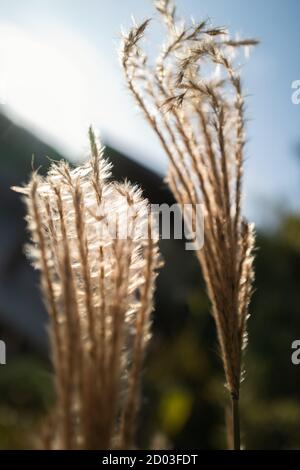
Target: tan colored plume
x=93, y=242
x=192, y=97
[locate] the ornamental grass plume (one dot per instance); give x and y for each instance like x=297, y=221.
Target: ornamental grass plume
x=93, y=242
x=192, y=97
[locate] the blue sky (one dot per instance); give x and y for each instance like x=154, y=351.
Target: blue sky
x=73, y=78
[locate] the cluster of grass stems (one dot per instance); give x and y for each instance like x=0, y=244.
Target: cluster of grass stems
x=192, y=98
x=98, y=285
x=99, y=289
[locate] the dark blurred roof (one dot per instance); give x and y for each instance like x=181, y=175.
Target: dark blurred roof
x=154, y=188
x=21, y=308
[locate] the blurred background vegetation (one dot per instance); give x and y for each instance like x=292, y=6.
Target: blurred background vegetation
x=183, y=396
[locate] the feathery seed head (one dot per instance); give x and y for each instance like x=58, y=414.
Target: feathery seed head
x=192, y=98
x=98, y=282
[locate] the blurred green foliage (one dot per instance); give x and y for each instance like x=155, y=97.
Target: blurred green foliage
x=26, y=393
x=185, y=375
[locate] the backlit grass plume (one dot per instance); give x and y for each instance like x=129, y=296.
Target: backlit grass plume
x=192, y=97
x=93, y=242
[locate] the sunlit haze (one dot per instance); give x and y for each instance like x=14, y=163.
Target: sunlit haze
x=60, y=73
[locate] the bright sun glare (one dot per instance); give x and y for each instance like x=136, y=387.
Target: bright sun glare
x=47, y=83
x=57, y=82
